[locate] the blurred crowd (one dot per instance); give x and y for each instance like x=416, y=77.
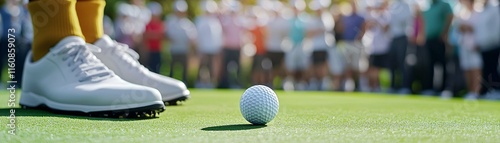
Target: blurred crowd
x=429, y=47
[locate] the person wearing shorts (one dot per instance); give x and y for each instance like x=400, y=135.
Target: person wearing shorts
x=377, y=40
x=276, y=32
x=336, y=61
x=297, y=59
x=321, y=28
x=352, y=51
x=469, y=55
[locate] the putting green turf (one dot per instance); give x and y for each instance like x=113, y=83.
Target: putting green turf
x=213, y=116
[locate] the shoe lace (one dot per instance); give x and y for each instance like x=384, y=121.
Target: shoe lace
x=83, y=63
x=131, y=57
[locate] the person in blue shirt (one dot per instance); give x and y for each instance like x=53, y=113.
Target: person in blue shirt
x=16, y=17
x=297, y=57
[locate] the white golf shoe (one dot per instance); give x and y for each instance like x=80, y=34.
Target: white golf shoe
x=70, y=79
x=123, y=61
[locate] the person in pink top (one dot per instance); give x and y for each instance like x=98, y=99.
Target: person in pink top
x=232, y=29
x=416, y=58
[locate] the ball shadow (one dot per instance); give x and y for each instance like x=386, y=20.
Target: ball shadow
x=235, y=127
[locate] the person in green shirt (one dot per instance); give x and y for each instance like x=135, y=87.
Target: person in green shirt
x=437, y=20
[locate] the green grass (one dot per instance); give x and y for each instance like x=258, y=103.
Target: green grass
x=213, y=116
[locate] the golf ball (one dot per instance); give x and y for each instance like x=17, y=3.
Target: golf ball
x=259, y=105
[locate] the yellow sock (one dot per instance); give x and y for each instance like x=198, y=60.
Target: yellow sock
x=52, y=21
x=90, y=14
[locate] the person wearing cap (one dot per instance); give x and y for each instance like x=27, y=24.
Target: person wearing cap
x=181, y=33
x=233, y=30
x=209, y=43
x=153, y=37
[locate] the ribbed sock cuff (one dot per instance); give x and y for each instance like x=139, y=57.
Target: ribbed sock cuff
x=90, y=14
x=52, y=21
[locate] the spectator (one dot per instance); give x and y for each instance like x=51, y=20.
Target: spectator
x=488, y=42
x=131, y=24
x=377, y=40
x=323, y=39
x=153, y=37
x=181, y=33
x=15, y=16
x=455, y=76
x=417, y=55
x=297, y=59
x=127, y=27
x=335, y=58
x=124, y=25
x=232, y=28
x=261, y=65
x=1, y=29
x=470, y=58
x=400, y=22
x=209, y=42
x=437, y=24
x=277, y=30
x=351, y=48
x=25, y=42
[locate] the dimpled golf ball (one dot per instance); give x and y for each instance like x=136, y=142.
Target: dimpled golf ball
x=259, y=105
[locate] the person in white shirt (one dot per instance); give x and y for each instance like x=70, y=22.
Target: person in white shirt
x=401, y=19
x=130, y=26
x=181, y=33
x=376, y=39
x=470, y=58
x=276, y=33
x=209, y=42
x=488, y=42
x=321, y=30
